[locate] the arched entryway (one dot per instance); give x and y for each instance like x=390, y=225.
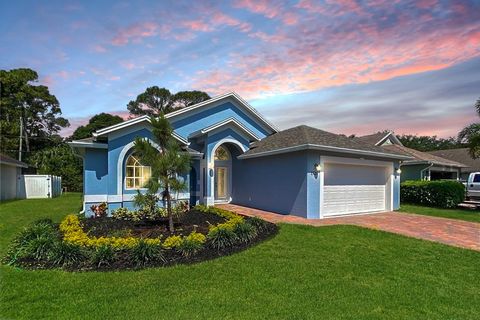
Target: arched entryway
x=224, y=159
x=222, y=174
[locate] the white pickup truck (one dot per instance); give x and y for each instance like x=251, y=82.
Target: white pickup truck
x=473, y=186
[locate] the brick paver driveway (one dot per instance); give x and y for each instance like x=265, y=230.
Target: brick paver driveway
x=448, y=231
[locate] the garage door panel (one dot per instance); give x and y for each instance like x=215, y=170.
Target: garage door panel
x=347, y=199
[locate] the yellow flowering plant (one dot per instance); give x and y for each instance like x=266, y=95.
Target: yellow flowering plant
x=73, y=233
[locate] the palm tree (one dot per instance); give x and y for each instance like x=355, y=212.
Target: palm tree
x=167, y=164
x=471, y=135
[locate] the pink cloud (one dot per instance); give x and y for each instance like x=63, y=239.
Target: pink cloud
x=136, y=32
x=216, y=19
x=99, y=48
x=312, y=58
x=128, y=65
x=270, y=9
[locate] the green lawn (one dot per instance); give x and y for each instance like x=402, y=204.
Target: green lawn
x=461, y=214
x=338, y=272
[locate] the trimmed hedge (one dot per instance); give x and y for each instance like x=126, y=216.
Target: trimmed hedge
x=440, y=193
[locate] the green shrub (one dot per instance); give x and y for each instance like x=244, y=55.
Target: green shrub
x=41, y=247
x=103, y=255
x=441, y=193
x=65, y=254
x=35, y=241
x=257, y=223
x=245, y=232
x=221, y=237
x=144, y=253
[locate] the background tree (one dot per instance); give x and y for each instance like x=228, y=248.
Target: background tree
x=166, y=165
x=30, y=108
x=97, y=122
x=471, y=135
x=60, y=161
x=184, y=99
x=429, y=143
x=155, y=101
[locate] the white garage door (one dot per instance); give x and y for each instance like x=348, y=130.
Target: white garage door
x=352, y=189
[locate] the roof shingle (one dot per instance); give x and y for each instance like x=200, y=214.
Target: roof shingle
x=422, y=156
x=307, y=136
x=460, y=155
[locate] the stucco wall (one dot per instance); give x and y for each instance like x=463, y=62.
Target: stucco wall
x=185, y=125
x=95, y=171
x=8, y=178
x=277, y=184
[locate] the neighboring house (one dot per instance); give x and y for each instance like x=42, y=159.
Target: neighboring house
x=422, y=166
x=460, y=155
x=10, y=170
x=239, y=157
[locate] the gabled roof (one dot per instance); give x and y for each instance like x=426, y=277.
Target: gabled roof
x=379, y=138
x=227, y=122
x=419, y=157
x=459, y=155
x=128, y=123
x=305, y=137
x=422, y=157
x=193, y=108
x=229, y=95
x=4, y=159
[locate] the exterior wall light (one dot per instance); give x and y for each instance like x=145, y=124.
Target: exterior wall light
x=398, y=170
x=318, y=167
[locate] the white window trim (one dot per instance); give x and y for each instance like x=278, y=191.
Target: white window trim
x=121, y=160
x=135, y=177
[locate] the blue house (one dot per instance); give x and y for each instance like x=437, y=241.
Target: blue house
x=239, y=157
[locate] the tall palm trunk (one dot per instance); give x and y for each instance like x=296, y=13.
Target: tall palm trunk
x=169, y=209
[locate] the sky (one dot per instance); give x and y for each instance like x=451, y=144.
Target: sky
x=345, y=66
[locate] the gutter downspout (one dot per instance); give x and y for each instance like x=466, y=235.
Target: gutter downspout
x=427, y=168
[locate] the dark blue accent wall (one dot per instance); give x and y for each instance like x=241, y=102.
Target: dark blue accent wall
x=276, y=183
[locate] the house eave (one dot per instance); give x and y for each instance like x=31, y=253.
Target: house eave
x=82, y=144
x=325, y=148
x=433, y=163
x=226, y=122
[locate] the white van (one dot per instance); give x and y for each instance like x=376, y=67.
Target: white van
x=473, y=186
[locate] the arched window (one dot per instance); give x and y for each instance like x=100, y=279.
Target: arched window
x=221, y=154
x=136, y=174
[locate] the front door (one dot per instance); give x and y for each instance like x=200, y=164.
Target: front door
x=221, y=183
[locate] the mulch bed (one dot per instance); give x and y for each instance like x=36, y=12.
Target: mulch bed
x=184, y=225
x=105, y=227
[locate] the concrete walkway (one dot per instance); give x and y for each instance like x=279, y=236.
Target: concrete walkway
x=456, y=233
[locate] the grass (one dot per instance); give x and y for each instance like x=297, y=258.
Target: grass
x=338, y=272
x=460, y=214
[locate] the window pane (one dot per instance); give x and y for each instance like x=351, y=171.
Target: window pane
x=221, y=154
x=146, y=173
x=476, y=178
x=136, y=175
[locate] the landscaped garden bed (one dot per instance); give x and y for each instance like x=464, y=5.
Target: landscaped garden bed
x=129, y=240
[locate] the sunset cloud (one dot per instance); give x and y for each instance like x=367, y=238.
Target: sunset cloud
x=347, y=56
x=136, y=32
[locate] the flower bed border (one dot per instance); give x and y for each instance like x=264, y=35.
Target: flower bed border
x=192, y=248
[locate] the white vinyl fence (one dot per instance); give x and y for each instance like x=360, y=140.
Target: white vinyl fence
x=35, y=186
